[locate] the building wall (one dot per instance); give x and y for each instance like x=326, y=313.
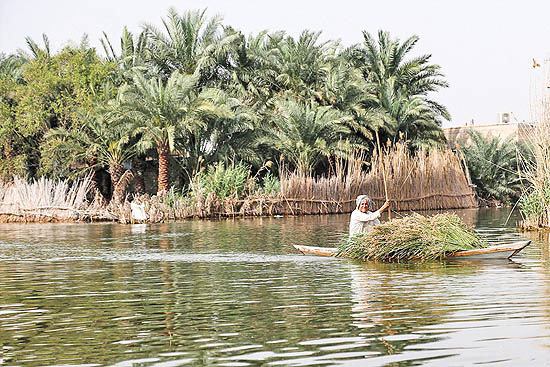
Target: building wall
x=460, y=135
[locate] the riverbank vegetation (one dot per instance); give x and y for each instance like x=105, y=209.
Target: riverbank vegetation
x=418, y=181
x=535, y=199
x=196, y=114
x=493, y=166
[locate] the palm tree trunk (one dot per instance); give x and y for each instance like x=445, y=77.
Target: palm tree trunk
x=139, y=181
x=95, y=193
x=116, y=171
x=121, y=186
x=94, y=179
x=163, y=152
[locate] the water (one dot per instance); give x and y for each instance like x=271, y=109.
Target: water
x=235, y=293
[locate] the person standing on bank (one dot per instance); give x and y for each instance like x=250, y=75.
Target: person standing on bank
x=362, y=218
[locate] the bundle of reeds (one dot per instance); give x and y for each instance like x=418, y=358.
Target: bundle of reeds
x=413, y=237
x=306, y=194
x=44, y=194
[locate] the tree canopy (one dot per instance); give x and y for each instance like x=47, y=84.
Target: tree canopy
x=195, y=92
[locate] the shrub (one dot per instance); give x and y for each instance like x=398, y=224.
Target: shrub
x=224, y=181
x=535, y=206
x=271, y=185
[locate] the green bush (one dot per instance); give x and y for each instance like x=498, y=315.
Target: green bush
x=222, y=181
x=272, y=185
x=533, y=205
x=172, y=196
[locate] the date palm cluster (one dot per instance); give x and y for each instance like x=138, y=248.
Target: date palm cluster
x=195, y=91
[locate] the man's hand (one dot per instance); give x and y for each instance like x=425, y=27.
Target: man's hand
x=385, y=206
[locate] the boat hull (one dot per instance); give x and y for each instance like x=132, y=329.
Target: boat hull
x=505, y=251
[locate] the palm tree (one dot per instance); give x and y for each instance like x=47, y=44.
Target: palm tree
x=410, y=118
x=300, y=64
x=254, y=75
x=160, y=112
x=273, y=64
x=99, y=142
x=344, y=88
x=221, y=138
x=191, y=43
x=305, y=134
x=403, y=85
x=493, y=166
x=133, y=53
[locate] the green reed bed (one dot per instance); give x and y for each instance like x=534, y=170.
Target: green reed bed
x=413, y=237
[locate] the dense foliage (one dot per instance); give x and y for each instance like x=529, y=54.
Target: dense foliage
x=493, y=166
x=196, y=92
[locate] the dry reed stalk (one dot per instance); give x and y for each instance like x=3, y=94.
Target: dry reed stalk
x=44, y=197
x=536, y=170
x=434, y=180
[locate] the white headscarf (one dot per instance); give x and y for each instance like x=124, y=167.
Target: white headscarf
x=360, y=198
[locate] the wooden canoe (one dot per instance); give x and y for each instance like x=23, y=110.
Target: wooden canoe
x=493, y=252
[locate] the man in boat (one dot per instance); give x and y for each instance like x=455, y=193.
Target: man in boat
x=362, y=219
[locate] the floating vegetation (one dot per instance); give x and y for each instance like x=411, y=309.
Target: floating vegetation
x=413, y=237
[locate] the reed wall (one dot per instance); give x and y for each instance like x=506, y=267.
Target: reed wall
x=424, y=181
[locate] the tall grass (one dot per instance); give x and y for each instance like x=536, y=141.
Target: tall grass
x=427, y=180
x=45, y=193
x=535, y=169
x=434, y=179
x=222, y=180
x=535, y=200
x=221, y=189
x=271, y=185
x=44, y=197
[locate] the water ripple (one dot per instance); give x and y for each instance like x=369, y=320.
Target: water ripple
x=235, y=293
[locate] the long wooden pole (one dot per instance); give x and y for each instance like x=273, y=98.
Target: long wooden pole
x=383, y=171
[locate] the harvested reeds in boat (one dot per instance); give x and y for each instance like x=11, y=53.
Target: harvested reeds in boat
x=413, y=237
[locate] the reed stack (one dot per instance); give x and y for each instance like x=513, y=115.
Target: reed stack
x=413, y=237
x=435, y=179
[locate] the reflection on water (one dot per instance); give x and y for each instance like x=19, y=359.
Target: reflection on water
x=234, y=293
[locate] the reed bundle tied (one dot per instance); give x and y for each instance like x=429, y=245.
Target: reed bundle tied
x=413, y=237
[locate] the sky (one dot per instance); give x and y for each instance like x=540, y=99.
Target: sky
x=485, y=48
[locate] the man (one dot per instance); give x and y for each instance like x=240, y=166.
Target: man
x=362, y=218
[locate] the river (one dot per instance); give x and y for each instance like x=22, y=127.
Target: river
x=235, y=293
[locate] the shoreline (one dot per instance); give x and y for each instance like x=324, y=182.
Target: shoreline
x=156, y=211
